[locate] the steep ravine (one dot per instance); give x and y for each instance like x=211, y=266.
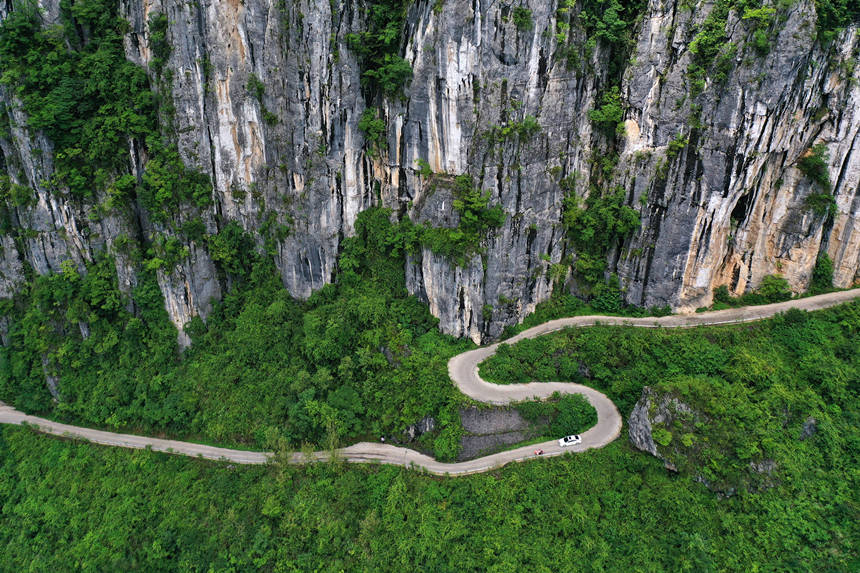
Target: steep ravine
x=729, y=207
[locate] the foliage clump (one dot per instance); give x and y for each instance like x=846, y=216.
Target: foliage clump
x=596, y=225
x=523, y=19
x=610, y=114
x=77, y=87
x=477, y=219
x=822, y=275
x=378, y=47
x=373, y=128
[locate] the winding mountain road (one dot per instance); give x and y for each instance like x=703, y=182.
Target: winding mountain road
x=463, y=370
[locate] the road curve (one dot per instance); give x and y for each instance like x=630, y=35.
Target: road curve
x=463, y=370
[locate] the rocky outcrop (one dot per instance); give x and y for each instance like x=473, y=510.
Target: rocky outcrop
x=725, y=208
x=655, y=409
x=689, y=441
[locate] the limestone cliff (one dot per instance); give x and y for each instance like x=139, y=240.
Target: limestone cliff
x=265, y=97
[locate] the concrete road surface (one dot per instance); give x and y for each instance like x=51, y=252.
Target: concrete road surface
x=463, y=370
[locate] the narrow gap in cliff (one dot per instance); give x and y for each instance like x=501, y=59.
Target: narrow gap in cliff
x=657, y=217
x=739, y=213
x=727, y=177
x=691, y=166
x=542, y=79
x=846, y=161
x=736, y=278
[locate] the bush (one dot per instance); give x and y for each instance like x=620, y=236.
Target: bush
x=813, y=164
x=608, y=117
x=721, y=294
x=595, y=227
x=662, y=436
x=822, y=274
x=774, y=288
x=373, y=127
x=378, y=47
x=574, y=415
x=477, y=219
x=523, y=19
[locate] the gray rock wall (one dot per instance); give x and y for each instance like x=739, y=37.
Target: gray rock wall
x=728, y=209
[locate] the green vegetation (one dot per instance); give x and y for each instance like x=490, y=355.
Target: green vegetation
x=65, y=504
x=773, y=288
x=569, y=414
x=595, y=227
x=753, y=386
x=813, y=165
x=523, y=19
x=822, y=275
x=378, y=47
x=477, y=219
x=78, y=88
x=360, y=357
x=158, y=24
x=833, y=15
x=373, y=128
x=524, y=129
x=714, y=55
x=14, y=194
x=676, y=146
x=257, y=89
x=762, y=19
x=610, y=114
x=621, y=360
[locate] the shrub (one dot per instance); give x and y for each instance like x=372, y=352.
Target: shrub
x=774, y=288
x=662, y=436
x=822, y=274
x=610, y=113
x=593, y=228
x=574, y=415
x=523, y=19
x=721, y=294
x=378, y=47
x=677, y=145
x=813, y=164
x=373, y=127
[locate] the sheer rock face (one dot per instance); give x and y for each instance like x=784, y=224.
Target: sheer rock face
x=727, y=208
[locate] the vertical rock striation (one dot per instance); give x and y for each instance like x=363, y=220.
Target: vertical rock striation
x=265, y=97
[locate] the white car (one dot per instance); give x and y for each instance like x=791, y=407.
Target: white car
x=570, y=441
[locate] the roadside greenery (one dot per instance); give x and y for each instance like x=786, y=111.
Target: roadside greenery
x=66, y=505
x=568, y=414
x=360, y=357
x=773, y=288
x=752, y=388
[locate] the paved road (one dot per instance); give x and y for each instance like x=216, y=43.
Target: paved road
x=463, y=369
